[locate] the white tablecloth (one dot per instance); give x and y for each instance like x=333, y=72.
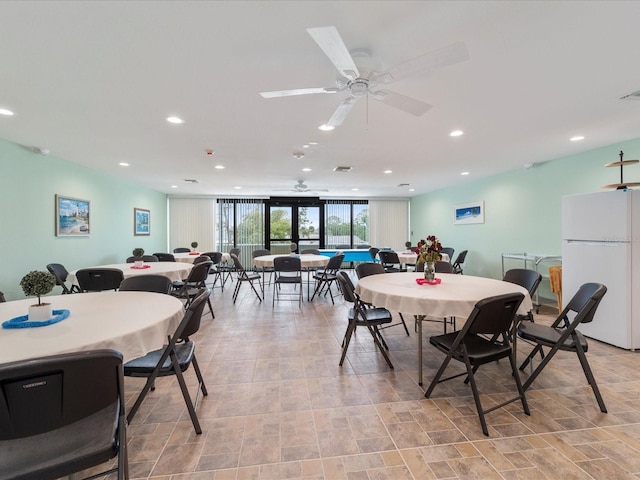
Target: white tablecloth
x=188, y=258
x=307, y=260
x=176, y=271
x=412, y=258
x=134, y=323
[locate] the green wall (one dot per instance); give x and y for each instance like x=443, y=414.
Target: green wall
x=522, y=207
x=28, y=185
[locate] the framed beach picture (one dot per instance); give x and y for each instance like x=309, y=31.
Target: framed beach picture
x=72, y=217
x=141, y=222
x=468, y=213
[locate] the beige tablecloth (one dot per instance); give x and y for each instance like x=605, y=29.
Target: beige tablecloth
x=176, y=271
x=307, y=260
x=134, y=323
x=188, y=258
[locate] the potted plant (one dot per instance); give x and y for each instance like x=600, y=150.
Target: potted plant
x=35, y=284
x=292, y=248
x=194, y=245
x=407, y=245
x=137, y=255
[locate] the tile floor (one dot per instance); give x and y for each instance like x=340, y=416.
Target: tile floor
x=280, y=407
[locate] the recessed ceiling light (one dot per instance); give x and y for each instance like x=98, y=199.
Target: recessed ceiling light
x=238, y=188
x=355, y=189
x=219, y=167
x=326, y=128
x=174, y=186
x=306, y=169
x=306, y=145
x=4, y=111
x=123, y=164
x=313, y=143
x=175, y=120
x=464, y=173
x=412, y=189
x=456, y=133
x=388, y=171
x=577, y=138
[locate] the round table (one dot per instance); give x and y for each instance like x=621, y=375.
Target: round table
x=411, y=257
x=134, y=323
x=307, y=260
x=455, y=296
x=175, y=271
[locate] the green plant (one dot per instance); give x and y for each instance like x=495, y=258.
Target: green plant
x=138, y=252
x=37, y=283
x=407, y=245
x=194, y=244
x=293, y=247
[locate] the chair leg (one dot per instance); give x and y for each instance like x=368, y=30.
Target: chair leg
x=439, y=373
x=404, y=324
x=201, y=384
x=345, y=342
x=516, y=376
x=185, y=394
x=372, y=331
x=236, y=290
x=590, y=378
x=476, y=395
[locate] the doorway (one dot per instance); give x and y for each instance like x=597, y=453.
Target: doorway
x=293, y=220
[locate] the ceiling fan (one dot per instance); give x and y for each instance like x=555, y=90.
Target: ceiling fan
x=301, y=187
x=360, y=77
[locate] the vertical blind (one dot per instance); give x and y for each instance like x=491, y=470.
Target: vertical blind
x=389, y=220
x=192, y=220
x=240, y=225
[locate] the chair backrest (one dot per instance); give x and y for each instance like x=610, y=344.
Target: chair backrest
x=199, y=273
x=181, y=250
x=190, y=324
x=373, y=251
x=146, y=283
x=348, y=290
x=529, y=279
x=288, y=263
x=311, y=251
x=165, y=257
x=144, y=258
x=61, y=414
x=366, y=269
x=260, y=253
x=216, y=257
x=449, y=251
x=99, y=279
x=235, y=251
x=460, y=258
x=236, y=262
x=493, y=316
x=443, y=267
x=2, y=299
x=584, y=303
x=58, y=271
x=334, y=263
x=201, y=259
x=387, y=257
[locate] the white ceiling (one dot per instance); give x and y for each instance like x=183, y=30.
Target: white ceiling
x=93, y=82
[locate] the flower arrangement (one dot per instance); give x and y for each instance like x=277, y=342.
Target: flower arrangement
x=138, y=252
x=429, y=250
x=37, y=283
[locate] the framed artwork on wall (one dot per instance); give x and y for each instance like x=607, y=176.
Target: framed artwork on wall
x=141, y=221
x=72, y=217
x=468, y=213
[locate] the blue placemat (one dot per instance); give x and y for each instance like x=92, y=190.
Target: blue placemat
x=23, y=320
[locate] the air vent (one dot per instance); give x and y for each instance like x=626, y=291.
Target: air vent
x=403, y=184
x=632, y=96
x=342, y=169
x=190, y=180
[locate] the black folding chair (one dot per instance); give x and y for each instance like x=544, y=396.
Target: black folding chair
x=287, y=271
x=144, y=258
x=62, y=414
x=361, y=316
x=562, y=335
x=58, y=271
x=174, y=359
x=485, y=338
x=99, y=279
x=193, y=285
x=165, y=257
x=146, y=283
x=243, y=276
x=326, y=277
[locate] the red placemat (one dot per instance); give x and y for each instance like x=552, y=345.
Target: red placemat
x=141, y=268
x=422, y=281
x=194, y=253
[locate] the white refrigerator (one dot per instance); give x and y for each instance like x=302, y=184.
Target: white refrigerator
x=601, y=243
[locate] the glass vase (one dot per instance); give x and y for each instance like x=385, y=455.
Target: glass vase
x=429, y=271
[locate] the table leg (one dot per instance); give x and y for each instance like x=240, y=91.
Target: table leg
x=420, y=352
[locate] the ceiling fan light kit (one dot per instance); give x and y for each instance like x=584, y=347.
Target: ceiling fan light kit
x=360, y=77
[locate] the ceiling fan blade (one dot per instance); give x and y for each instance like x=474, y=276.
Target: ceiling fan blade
x=330, y=41
x=442, y=57
x=298, y=91
x=402, y=102
x=341, y=112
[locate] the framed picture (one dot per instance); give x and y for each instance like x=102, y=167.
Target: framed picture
x=141, y=222
x=468, y=213
x=72, y=217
